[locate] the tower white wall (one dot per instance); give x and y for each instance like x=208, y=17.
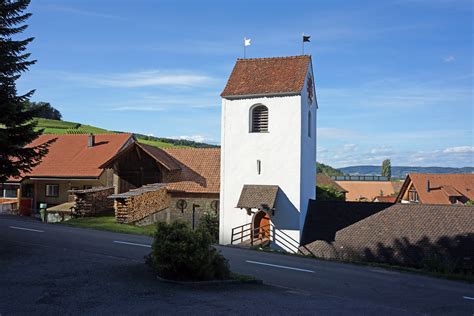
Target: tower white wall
x=280, y=153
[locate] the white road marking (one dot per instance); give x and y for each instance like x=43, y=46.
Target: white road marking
x=278, y=266
x=131, y=244
x=468, y=298
x=28, y=229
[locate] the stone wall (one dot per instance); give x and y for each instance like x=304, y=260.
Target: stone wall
x=173, y=213
x=93, y=201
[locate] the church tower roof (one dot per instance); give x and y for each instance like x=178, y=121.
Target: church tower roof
x=256, y=77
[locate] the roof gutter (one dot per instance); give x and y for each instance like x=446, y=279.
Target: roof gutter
x=63, y=178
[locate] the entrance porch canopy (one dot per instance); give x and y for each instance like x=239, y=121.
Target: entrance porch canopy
x=261, y=197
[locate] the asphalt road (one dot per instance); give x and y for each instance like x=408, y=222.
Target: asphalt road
x=50, y=269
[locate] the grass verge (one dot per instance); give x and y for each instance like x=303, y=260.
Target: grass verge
x=108, y=223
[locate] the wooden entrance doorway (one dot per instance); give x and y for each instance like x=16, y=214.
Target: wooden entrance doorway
x=261, y=225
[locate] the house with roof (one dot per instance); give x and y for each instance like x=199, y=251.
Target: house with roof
x=427, y=188
x=367, y=188
x=268, y=156
x=72, y=163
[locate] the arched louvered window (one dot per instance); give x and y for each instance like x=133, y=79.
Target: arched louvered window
x=259, y=119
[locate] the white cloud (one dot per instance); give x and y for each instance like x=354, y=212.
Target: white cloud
x=196, y=138
x=384, y=150
x=449, y=59
x=459, y=150
x=350, y=147
x=149, y=78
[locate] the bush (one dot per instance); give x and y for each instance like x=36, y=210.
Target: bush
x=179, y=253
x=209, y=223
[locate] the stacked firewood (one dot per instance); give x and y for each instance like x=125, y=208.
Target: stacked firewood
x=93, y=201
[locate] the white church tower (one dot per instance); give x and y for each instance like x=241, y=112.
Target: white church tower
x=268, y=153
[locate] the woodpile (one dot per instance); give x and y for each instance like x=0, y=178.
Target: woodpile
x=93, y=201
x=137, y=204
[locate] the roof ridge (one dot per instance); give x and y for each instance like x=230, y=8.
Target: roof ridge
x=272, y=58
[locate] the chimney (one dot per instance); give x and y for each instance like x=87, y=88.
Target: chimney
x=428, y=186
x=91, y=140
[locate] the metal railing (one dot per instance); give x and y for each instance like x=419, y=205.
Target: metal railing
x=258, y=235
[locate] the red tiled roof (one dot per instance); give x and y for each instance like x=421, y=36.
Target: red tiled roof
x=266, y=76
x=385, y=199
x=69, y=155
x=442, y=187
x=200, y=170
x=367, y=190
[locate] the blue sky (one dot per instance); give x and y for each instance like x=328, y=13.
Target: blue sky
x=394, y=79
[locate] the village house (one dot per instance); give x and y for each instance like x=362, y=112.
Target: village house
x=324, y=181
x=73, y=163
x=426, y=188
x=367, y=188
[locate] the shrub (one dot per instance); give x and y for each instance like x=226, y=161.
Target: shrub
x=179, y=253
x=209, y=223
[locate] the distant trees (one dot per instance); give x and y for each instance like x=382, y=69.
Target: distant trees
x=327, y=170
x=328, y=193
x=44, y=110
x=387, y=168
x=16, y=124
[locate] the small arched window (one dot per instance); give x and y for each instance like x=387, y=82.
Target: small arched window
x=309, y=124
x=259, y=119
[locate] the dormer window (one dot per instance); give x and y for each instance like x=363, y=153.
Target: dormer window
x=413, y=195
x=259, y=119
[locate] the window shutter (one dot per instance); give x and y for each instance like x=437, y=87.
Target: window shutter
x=260, y=119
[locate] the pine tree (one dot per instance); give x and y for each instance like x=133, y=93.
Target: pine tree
x=387, y=168
x=17, y=129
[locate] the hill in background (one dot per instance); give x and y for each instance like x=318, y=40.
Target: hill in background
x=402, y=171
x=65, y=127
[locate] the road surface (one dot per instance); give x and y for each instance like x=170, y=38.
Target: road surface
x=50, y=268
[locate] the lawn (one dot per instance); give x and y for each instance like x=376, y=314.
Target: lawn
x=108, y=223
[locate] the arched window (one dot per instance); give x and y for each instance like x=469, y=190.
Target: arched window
x=259, y=119
x=309, y=124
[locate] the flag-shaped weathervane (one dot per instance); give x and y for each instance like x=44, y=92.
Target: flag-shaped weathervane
x=247, y=42
x=305, y=39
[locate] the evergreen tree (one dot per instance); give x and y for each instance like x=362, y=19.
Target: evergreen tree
x=386, y=169
x=16, y=126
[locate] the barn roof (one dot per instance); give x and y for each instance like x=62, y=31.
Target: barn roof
x=267, y=76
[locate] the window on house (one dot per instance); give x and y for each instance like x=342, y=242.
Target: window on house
x=9, y=191
x=412, y=195
x=259, y=119
x=52, y=190
x=87, y=187
x=309, y=124
x=259, y=166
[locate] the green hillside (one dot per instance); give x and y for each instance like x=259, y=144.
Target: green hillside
x=65, y=127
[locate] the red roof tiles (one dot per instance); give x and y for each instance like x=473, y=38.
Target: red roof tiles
x=267, y=76
x=69, y=155
x=200, y=170
x=441, y=187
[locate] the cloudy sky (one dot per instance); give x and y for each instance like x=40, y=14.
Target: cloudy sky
x=394, y=79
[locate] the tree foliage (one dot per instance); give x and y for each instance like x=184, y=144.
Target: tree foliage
x=16, y=124
x=180, y=253
x=387, y=168
x=328, y=170
x=328, y=193
x=44, y=110
x=209, y=222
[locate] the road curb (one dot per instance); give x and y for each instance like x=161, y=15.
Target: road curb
x=212, y=282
